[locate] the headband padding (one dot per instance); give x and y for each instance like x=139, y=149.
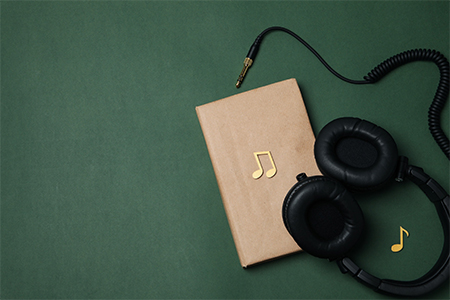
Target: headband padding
x=357, y=153
x=322, y=236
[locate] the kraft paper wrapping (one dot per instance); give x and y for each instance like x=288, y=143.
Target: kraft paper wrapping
x=271, y=118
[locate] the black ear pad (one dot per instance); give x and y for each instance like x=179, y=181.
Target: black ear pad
x=322, y=217
x=358, y=153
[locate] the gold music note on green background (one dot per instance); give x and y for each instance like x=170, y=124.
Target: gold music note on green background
x=258, y=173
x=398, y=247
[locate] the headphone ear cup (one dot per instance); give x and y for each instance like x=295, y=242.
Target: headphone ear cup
x=322, y=217
x=357, y=153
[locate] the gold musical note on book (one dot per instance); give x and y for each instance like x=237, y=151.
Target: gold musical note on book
x=398, y=247
x=258, y=173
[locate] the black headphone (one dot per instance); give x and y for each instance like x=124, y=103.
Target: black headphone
x=322, y=216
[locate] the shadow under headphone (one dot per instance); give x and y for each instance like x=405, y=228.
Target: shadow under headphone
x=322, y=216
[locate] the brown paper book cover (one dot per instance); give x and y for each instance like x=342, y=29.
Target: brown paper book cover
x=258, y=141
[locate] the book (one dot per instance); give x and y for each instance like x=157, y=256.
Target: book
x=258, y=141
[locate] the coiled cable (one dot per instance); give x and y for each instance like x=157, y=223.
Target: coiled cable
x=441, y=95
x=439, y=100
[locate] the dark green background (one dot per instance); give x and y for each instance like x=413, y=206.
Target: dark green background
x=107, y=189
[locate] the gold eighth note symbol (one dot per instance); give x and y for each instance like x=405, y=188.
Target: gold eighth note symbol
x=258, y=173
x=398, y=247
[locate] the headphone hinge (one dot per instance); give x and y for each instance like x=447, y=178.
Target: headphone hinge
x=402, y=167
x=346, y=265
x=434, y=191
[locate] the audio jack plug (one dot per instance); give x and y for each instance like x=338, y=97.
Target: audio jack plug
x=247, y=64
x=248, y=61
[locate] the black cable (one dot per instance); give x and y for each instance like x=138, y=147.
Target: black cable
x=442, y=91
x=436, y=107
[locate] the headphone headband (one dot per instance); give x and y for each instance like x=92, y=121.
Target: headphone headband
x=356, y=155
x=439, y=273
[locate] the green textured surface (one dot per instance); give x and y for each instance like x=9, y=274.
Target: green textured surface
x=107, y=189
